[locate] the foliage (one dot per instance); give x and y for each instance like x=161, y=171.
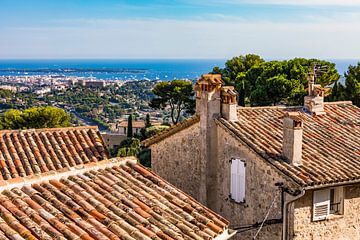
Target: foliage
x=144, y=157
x=264, y=83
x=36, y=117
x=235, y=70
x=151, y=131
x=177, y=95
x=147, y=121
x=129, y=147
x=129, y=127
x=4, y=93
x=352, y=84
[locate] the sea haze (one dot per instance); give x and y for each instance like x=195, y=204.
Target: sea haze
x=123, y=69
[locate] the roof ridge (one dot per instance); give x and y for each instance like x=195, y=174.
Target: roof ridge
x=19, y=182
x=268, y=107
x=288, y=107
x=48, y=129
x=338, y=102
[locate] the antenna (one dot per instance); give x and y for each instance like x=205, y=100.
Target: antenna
x=319, y=70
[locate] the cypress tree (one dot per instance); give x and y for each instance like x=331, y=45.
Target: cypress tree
x=130, y=128
x=147, y=121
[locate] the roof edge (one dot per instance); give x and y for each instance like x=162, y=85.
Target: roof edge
x=19, y=182
x=171, y=131
x=48, y=129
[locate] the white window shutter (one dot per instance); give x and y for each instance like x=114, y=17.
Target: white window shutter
x=233, y=180
x=237, y=182
x=242, y=182
x=321, y=204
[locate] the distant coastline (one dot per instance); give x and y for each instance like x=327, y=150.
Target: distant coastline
x=125, y=69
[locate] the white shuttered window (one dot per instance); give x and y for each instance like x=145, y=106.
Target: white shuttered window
x=237, y=181
x=321, y=204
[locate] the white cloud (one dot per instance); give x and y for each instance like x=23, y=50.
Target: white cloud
x=297, y=2
x=155, y=38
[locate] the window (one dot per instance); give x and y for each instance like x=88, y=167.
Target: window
x=237, y=180
x=327, y=202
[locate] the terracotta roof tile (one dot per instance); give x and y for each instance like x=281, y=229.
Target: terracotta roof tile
x=331, y=142
x=171, y=131
x=28, y=152
x=104, y=201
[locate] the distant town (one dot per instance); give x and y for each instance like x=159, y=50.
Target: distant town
x=89, y=101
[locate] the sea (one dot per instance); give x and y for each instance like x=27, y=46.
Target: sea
x=125, y=69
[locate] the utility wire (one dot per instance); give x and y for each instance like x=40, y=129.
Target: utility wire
x=266, y=216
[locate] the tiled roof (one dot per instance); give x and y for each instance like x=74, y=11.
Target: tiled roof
x=28, y=152
x=171, y=131
x=135, y=124
x=111, y=199
x=331, y=142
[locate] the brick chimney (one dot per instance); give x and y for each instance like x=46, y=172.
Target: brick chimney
x=314, y=101
x=229, y=103
x=292, y=138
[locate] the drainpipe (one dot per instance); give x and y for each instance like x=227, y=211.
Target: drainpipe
x=285, y=213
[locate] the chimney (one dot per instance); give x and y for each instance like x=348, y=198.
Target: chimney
x=208, y=107
x=292, y=138
x=314, y=101
x=207, y=90
x=229, y=103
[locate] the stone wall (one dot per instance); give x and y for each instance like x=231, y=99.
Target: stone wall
x=177, y=160
x=345, y=227
x=259, y=194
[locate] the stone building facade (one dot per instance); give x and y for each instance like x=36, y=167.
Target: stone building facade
x=300, y=165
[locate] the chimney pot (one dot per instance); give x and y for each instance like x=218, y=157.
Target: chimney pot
x=229, y=103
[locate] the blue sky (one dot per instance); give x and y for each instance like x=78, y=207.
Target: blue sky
x=179, y=29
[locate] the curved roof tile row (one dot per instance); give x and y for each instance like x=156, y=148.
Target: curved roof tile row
x=119, y=202
x=28, y=152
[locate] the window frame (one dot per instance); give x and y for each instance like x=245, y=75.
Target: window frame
x=329, y=197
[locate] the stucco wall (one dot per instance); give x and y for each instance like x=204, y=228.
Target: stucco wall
x=177, y=160
x=345, y=227
x=260, y=189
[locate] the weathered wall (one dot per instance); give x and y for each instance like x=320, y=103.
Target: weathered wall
x=177, y=160
x=345, y=227
x=260, y=189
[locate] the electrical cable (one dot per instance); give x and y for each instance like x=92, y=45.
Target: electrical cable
x=266, y=216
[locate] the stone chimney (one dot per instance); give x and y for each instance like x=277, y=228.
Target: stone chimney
x=314, y=101
x=229, y=103
x=292, y=138
x=208, y=107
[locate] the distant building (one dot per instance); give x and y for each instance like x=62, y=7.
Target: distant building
x=112, y=139
x=279, y=172
x=9, y=88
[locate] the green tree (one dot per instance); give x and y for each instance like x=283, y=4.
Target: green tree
x=235, y=71
x=129, y=127
x=147, y=121
x=337, y=93
x=262, y=83
x=352, y=84
x=177, y=95
x=129, y=147
x=36, y=117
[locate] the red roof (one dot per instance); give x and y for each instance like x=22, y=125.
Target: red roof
x=28, y=152
x=331, y=142
x=111, y=199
